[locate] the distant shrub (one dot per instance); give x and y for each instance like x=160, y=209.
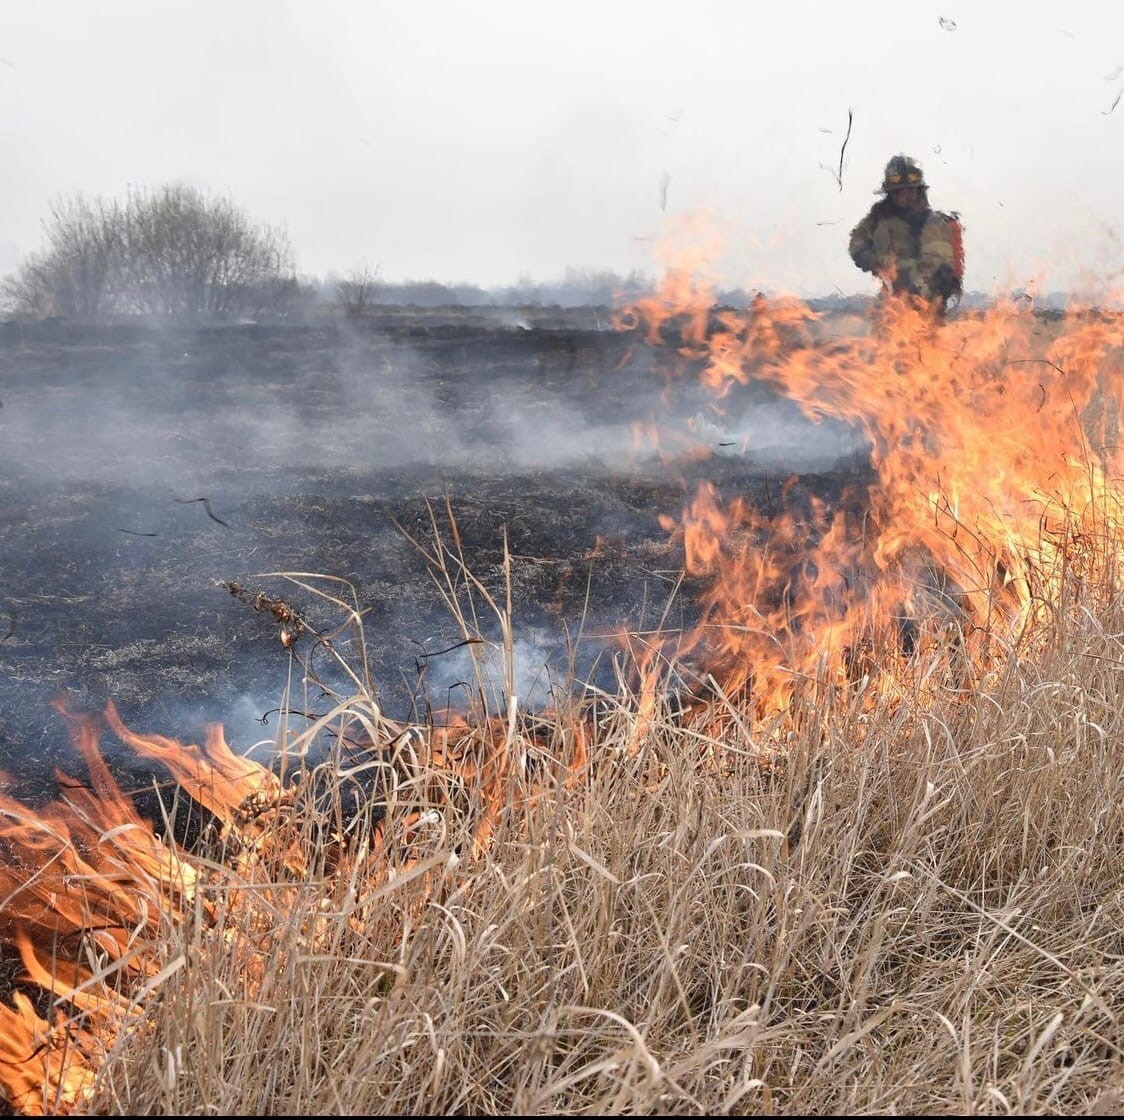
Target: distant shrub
x=358, y=291
x=170, y=253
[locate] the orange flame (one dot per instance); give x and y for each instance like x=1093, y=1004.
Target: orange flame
x=993, y=447
x=86, y=885
x=83, y=879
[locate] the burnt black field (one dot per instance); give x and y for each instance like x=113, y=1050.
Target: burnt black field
x=144, y=471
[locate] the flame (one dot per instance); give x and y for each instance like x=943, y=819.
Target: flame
x=86, y=884
x=83, y=881
x=994, y=456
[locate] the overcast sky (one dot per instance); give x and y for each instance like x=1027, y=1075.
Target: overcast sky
x=481, y=141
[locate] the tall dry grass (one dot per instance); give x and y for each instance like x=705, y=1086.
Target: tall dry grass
x=918, y=909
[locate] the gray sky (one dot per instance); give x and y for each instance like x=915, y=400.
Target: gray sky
x=480, y=141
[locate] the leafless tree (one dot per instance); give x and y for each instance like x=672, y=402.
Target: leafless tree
x=357, y=292
x=76, y=275
x=191, y=255
x=172, y=252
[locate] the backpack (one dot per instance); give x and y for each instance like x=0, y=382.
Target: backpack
x=956, y=236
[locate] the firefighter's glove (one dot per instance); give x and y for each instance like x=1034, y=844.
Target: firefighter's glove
x=945, y=282
x=864, y=258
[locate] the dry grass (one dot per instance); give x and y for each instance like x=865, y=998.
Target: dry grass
x=919, y=912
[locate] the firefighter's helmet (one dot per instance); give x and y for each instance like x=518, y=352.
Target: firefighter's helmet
x=901, y=172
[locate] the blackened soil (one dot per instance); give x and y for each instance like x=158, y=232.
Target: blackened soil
x=398, y=456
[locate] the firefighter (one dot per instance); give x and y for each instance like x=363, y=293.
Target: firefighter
x=913, y=249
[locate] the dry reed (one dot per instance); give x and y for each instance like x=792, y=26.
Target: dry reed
x=918, y=910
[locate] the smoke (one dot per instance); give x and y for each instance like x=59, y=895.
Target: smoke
x=775, y=435
x=397, y=409
x=299, y=440
x=169, y=416
x=530, y=671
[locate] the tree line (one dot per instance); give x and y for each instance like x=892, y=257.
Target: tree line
x=178, y=253
x=173, y=252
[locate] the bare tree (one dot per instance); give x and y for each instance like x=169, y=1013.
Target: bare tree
x=190, y=255
x=76, y=275
x=173, y=252
x=357, y=292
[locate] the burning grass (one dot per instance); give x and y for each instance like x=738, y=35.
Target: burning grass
x=926, y=922
x=851, y=846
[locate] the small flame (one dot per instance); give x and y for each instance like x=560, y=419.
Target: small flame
x=84, y=880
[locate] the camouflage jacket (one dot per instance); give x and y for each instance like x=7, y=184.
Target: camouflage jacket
x=908, y=251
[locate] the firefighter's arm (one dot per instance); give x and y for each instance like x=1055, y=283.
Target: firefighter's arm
x=862, y=246
x=937, y=264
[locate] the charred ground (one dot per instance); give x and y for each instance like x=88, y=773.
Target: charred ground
x=324, y=449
